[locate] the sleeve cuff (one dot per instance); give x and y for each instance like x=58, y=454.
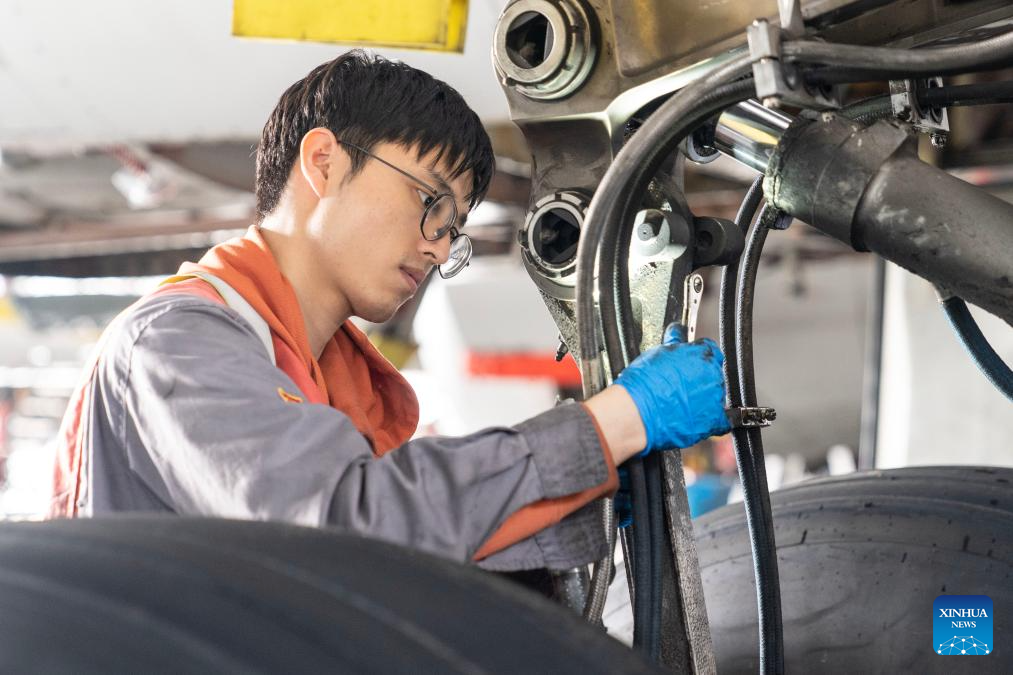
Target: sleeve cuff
x=585, y=463
x=612, y=484
x=578, y=539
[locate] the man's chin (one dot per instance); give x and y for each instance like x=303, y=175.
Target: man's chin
x=378, y=314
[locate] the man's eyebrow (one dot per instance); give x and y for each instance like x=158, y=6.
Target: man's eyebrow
x=439, y=180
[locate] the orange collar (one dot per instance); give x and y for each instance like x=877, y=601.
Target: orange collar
x=351, y=374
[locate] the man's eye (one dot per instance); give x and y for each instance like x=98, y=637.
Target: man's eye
x=426, y=198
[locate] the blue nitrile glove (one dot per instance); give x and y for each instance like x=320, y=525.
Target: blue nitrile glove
x=622, y=503
x=679, y=390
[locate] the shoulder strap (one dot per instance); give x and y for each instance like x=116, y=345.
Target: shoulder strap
x=238, y=303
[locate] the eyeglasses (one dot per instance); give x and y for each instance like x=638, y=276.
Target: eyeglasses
x=439, y=213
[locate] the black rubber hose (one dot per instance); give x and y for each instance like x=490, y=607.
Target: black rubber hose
x=871, y=109
x=697, y=102
x=625, y=182
x=614, y=255
x=831, y=75
x=966, y=95
x=659, y=544
x=748, y=449
x=835, y=75
x=622, y=187
x=642, y=612
x=744, y=306
x=991, y=52
x=726, y=297
x=620, y=336
x=628, y=176
x=750, y=455
x=990, y=363
x=625, y=536
x=614, y=289
x=743, y=457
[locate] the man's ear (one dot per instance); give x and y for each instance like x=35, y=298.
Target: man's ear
x=319, y=160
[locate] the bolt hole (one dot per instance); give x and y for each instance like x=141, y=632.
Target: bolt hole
x=555, y=237
x=529, y=40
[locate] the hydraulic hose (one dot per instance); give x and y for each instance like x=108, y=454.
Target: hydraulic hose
x=656, y=506
x=990, y=363
x=628, y=176
x=735, y=328
x=643, y=628
x=871, y=109
x=744, y=307
x=600, y=242
x=966, y=95
x=594, y=245
x=614, y=297
x=606, y=231
x=614, y=289
x=726, y=297
x=989, y=53
x=594, y=606
x=624, y=541
x=735, y=333
x=757, y=498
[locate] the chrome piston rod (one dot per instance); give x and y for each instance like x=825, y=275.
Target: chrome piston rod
x=748, y=132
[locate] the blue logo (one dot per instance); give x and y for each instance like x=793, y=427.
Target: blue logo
x=962, y=625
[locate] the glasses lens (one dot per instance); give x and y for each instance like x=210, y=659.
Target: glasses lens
x=460, y=255
x=439, y=218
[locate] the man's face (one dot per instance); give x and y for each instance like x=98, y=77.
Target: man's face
x=367, y=230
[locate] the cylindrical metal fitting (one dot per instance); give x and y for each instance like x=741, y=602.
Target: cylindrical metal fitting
x=749, y=133
x=544, y=48
x=549, y=240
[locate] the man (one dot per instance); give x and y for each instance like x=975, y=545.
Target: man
x=240, y=389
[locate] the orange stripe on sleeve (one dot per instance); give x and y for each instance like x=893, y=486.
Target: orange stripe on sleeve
x=547, y=512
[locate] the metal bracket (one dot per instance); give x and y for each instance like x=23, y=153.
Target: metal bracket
x=904, y=101
x=790, y=14
x=778, y=83
x=750, y=417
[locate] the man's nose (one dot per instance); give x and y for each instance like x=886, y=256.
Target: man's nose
x=438, y=251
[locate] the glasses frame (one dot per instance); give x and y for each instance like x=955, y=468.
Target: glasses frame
x=437, y=196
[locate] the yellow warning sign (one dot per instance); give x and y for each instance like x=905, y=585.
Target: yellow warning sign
x=413, y=24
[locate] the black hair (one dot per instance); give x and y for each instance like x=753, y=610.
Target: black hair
x=365, y=99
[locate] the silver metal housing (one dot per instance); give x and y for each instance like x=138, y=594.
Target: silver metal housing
x=568, y=50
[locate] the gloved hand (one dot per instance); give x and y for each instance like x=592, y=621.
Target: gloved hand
x=678, y=390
